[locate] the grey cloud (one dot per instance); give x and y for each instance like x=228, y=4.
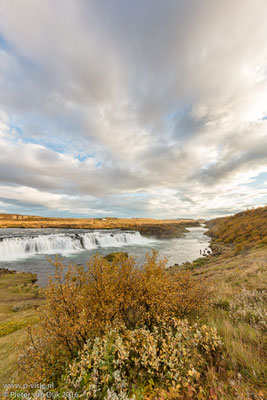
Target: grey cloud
x=233, y=162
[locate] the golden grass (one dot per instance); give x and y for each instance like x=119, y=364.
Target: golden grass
x=21, y=221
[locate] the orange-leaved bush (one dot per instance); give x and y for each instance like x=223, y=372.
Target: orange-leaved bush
x=83, y=302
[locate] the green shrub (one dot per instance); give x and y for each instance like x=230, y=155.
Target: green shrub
x=222, y=304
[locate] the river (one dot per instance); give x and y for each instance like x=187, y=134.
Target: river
x=29, y=249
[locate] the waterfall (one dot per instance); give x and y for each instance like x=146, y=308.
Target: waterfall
x=14, y=247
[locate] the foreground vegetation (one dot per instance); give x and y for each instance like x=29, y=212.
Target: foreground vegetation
x=86, y=303
x=113, y=331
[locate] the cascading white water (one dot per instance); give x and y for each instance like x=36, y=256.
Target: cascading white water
x=12, y=248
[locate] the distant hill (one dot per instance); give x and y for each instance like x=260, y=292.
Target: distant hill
x=18, y=217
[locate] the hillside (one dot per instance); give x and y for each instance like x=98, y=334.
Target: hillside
x=247, y=229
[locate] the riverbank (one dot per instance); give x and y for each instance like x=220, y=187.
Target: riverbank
x=165, y=228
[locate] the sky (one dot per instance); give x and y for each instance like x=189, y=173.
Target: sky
x=133, y=108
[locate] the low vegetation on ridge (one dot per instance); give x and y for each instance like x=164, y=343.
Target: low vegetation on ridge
x=242, y=231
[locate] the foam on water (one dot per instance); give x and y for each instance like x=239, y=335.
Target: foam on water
x=12, y=248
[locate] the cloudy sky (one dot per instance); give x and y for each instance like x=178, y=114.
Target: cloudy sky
x=133, y=108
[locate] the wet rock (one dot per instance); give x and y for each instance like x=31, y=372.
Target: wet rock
x=24, y=306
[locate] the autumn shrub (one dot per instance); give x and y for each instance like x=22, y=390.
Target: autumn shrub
x=130, y=364
x=83, y=302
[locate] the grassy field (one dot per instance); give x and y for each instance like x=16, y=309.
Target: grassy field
x=20, y=302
